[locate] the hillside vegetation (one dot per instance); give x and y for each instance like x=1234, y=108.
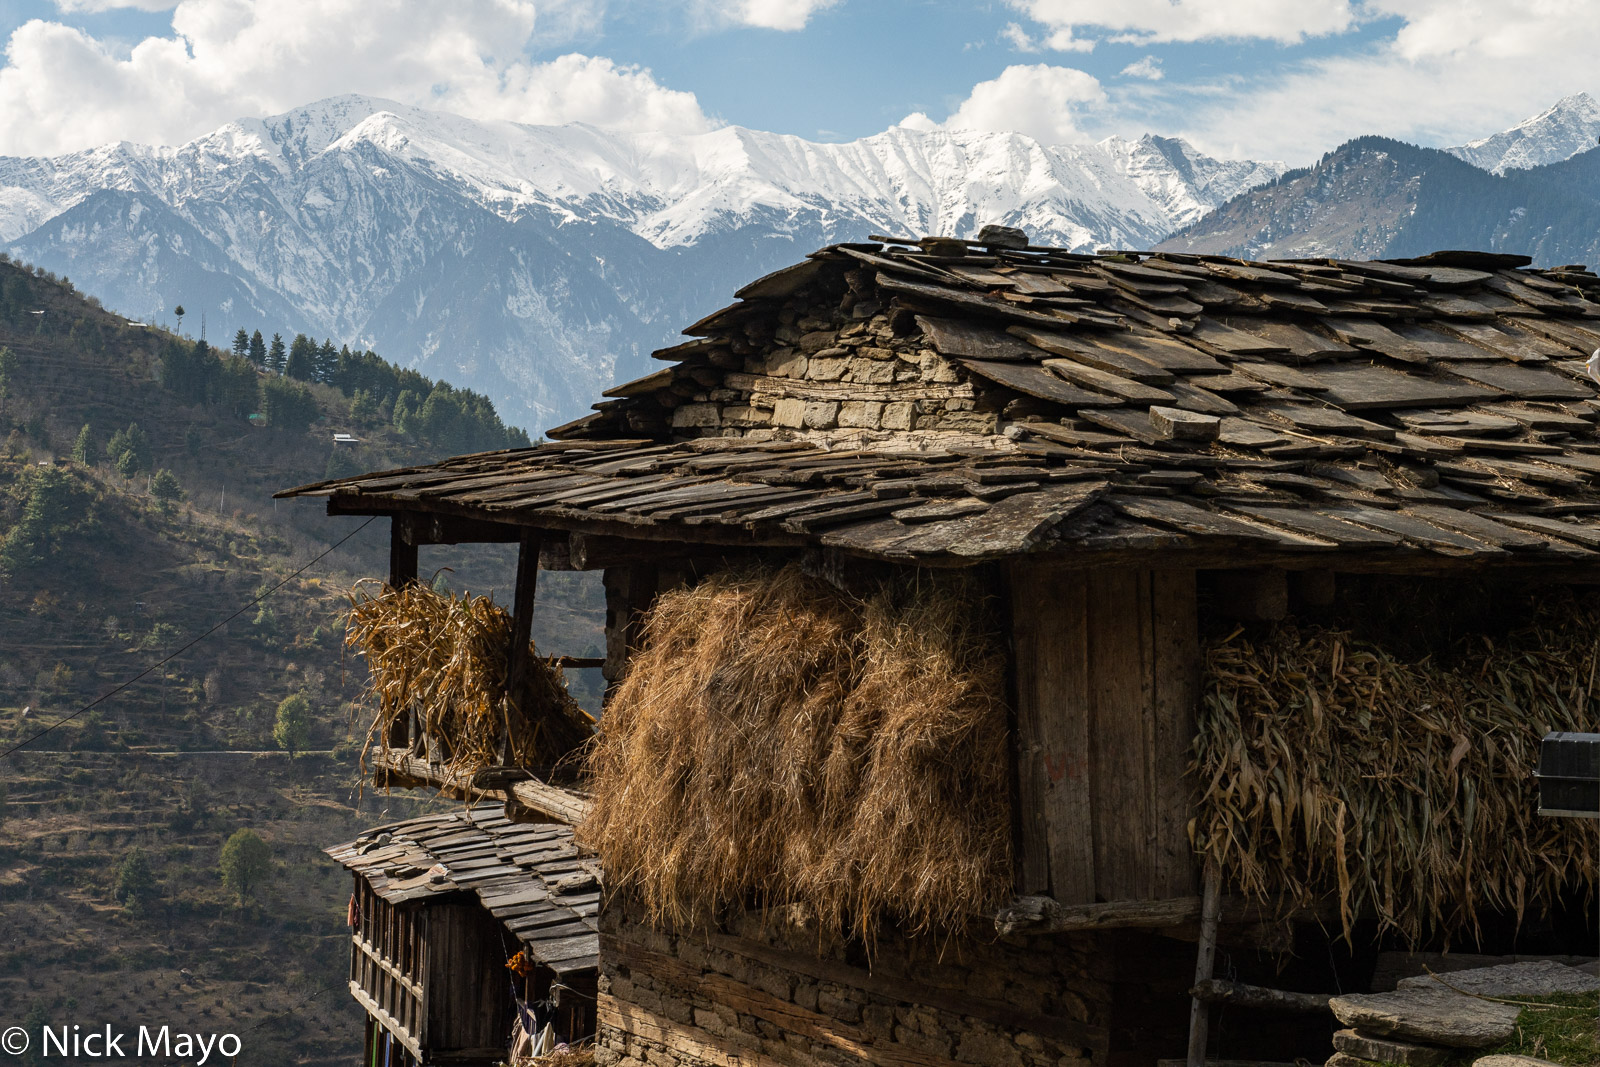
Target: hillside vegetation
x=136, y=470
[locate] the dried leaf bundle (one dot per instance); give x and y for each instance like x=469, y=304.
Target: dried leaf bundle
x=1405, y=788
x=446, y=657
x=777, y=742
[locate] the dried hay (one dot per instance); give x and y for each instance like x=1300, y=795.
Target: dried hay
x=776, y=742
x=446, y=657
x=1403, y=788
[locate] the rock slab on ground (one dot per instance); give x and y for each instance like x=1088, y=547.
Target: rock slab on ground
x=1511, y=1061
x=1529, y=979
x=1387, y=1050
x=1429, y=1016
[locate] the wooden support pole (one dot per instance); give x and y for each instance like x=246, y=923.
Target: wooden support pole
x=518, y=654
x=402, y=555
x=1205, y=962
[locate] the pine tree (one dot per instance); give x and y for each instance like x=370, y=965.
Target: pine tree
x=258, y=350
x=327, y=362
x=84, y=450
x=302, y=363
x=277, y=356
x=241, y=343
x=8, y=373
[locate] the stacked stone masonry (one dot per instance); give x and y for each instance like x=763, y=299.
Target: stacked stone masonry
x=773, y=994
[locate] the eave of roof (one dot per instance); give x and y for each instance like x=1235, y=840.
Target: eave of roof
x=1433, y=411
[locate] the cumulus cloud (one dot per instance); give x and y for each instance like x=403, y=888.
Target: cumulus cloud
x=1017, y=37
x=1286, y=21
x=1148, y=67
x=62, y=89
x=1039, y=100
x=107, y=5
x=787, y=15
x=1454, y=70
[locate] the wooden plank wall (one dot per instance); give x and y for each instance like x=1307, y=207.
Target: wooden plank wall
x=1106, y=681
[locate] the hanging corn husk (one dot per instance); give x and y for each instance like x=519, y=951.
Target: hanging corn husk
x=1402, y=788
x=446, y=658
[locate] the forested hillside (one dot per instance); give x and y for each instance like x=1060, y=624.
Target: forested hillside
x=136, y=473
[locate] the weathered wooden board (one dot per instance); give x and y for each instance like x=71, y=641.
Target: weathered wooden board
x=953, y=337
x=1519, y=379
x=1363, y=387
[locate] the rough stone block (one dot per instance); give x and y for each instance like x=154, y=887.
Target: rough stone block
x=871, y=371
x=896, y=415
x=874, y=352
x=817, y=340
x=709, y=1021
x=820, y=414
x=1175, y=424
x=1365, y=1047
x=988, y=1049
x=1428, y=1017
x=789, y=412
x=1529, y=979
x=827, y=369
x=745, y=416
x=690, y=416
x=1511, y=1061
x=932, y=1044
x=863, y=413
x=786, y=363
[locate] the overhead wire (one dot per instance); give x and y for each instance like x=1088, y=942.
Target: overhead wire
x=259, y=597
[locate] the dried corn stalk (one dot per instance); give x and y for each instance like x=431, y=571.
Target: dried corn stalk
x=446, y=658
x=1403, y=788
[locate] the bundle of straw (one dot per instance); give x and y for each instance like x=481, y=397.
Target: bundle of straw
x=1403, y=788
x=446, y=657
x=776, y=742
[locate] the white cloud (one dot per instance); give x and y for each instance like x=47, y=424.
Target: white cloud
x=1455, y=70
x=62, y=90
x=1039, y=100
x=1148, y=67
x=107, y=5
x=1018, y=38
x=1286, y=21
x=788, y=15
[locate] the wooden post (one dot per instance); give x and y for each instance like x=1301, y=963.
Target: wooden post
x=402, y=572
x=1205, y=962
x=517, y=655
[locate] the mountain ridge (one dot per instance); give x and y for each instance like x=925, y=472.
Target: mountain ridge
x=376, y=223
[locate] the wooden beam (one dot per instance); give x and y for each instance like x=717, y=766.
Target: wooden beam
x=1043, y=915
x=395, y=767
x=1205, y=964
x=1240, y=995
x=1260, y=594
x=519, y=651
x=402, y=555
x=429, y=528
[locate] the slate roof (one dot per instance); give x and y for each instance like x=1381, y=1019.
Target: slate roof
x=528, y=875
x=944, y=401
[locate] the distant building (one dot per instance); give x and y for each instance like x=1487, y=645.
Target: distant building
x=466, y=926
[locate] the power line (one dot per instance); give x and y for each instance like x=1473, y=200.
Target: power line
x=20, y=745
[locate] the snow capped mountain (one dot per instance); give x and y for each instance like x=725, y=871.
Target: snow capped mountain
x=539, y=263
x=1570, y=127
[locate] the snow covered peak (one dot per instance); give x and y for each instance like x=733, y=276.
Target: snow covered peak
x=1558, y=133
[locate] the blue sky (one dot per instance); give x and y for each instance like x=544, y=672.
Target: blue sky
x=1284, y=79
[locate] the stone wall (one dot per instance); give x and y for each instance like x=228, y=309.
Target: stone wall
x=832, y=363
x=776, y=994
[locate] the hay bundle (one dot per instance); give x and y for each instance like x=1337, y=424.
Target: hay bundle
x=446, y=657
x=1330, y=766
x=779, y=743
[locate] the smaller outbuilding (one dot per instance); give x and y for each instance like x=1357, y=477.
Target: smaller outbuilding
x=467, y=932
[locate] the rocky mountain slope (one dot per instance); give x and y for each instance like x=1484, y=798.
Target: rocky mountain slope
x=538, y=264
x=1571, y=126
x=1374, y=198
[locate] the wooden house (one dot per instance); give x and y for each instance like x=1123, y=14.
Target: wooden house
x=1133, y=453
x=441, y=904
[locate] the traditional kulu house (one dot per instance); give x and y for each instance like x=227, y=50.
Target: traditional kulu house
x=1088, y=494
x=466, y=927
